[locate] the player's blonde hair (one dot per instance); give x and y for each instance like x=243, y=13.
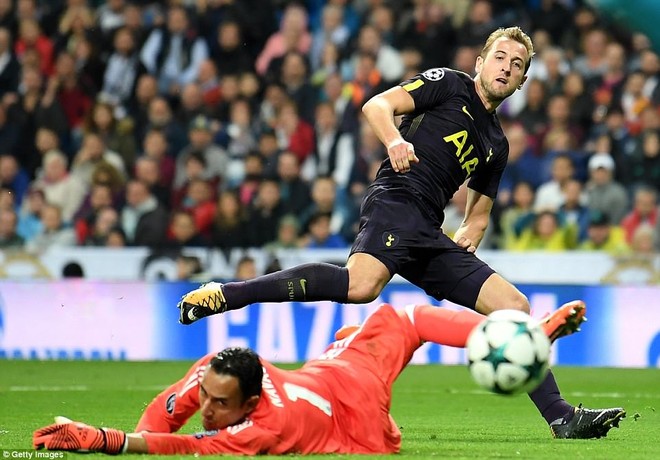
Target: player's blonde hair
x=512, y=33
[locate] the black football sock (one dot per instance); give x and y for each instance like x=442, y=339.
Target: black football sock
x=304, y=283
x=548, y=400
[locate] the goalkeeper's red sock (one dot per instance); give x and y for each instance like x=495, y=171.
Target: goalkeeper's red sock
x=444, y=326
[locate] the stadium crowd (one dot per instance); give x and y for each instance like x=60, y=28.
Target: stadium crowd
x=237, y=123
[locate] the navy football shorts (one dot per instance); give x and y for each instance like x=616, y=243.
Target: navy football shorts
x=403, y=233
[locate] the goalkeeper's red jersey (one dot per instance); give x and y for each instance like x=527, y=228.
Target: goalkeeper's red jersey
x=338, y=403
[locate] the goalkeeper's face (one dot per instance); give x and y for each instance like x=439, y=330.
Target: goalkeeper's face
x=221, y=401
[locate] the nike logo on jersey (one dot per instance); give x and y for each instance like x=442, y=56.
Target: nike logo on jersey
x=467, y=113
x=303, y=283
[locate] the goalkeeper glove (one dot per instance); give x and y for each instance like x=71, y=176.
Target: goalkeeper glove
x=79, y=437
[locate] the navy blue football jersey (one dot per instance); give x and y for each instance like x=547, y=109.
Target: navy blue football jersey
x=454, y=136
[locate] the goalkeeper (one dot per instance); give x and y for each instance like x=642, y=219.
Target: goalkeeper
x=338, y=403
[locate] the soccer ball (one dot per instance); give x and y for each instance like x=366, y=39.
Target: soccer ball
x=508, y=352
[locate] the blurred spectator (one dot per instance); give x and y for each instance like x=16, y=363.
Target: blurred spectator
x=288, y=233
x=319, y=235
x=246, y=269
x=10, y=68
x=533, y=115
x=191, y=104
x=110, y=15
x=546, y=233
x=347, y=114
x=580, y=101
x=100, y=196
x=116, y=238
x=294, y=190
x=7, y=16
x=199, y=202
x=75, y=25
x=123, y=70
x=592, y=62
x=324, y=200
x=173, y=53
x=31, y=111
x=116, y=134
x=65, y=86
x=209, y=83
x=155, y=147
x=215, y=158
x=644, y=163
x=264, y=214
x=649, y=65
x=645, y=211
x=293, y=133
x=183, y=232
x=522, y=164
x=387, y=60
x=517, y=215
x=29, y=222
x=9, y=238
x=559, y=122
x=241, y=137
x=643, y=240
x=143, y=219
x=89, y=64
x=189, y=268
x=633, y=101
x=31, y=38
x=105, y=219
x=254, y=174
x=573, y=210
x=294, y=75
x=552, y=16
x=334, y=154
x=549, y=196
x=607, y=86
x=603, y=236
x=229, y=228
x=332, y=31
x=291, y=36
x=62, y=189
x=604, y=194
x=147, y=170
x=229, y=52
x=53, y=231
x=478, y=26
x=13, y=177
x=159, y=116
x=428, y=24
x=92, y=153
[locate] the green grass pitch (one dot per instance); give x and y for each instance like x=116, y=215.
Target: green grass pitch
x=439, y=409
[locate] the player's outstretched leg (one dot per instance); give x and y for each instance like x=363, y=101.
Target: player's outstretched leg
x=304, y=283
x=578, y=422
x=565, y=320
x=587, y=423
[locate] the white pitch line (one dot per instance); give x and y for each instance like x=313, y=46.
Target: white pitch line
x=49, y=388
x=577, y=394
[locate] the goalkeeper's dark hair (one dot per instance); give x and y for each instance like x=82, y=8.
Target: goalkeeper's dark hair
x=243, y=364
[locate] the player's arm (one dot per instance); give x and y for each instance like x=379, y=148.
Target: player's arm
x=475, y=222
x=172, y=408
x=244, y=439
x=379, y=112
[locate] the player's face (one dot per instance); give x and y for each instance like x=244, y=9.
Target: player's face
x=221, y=401
x=502, y=71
